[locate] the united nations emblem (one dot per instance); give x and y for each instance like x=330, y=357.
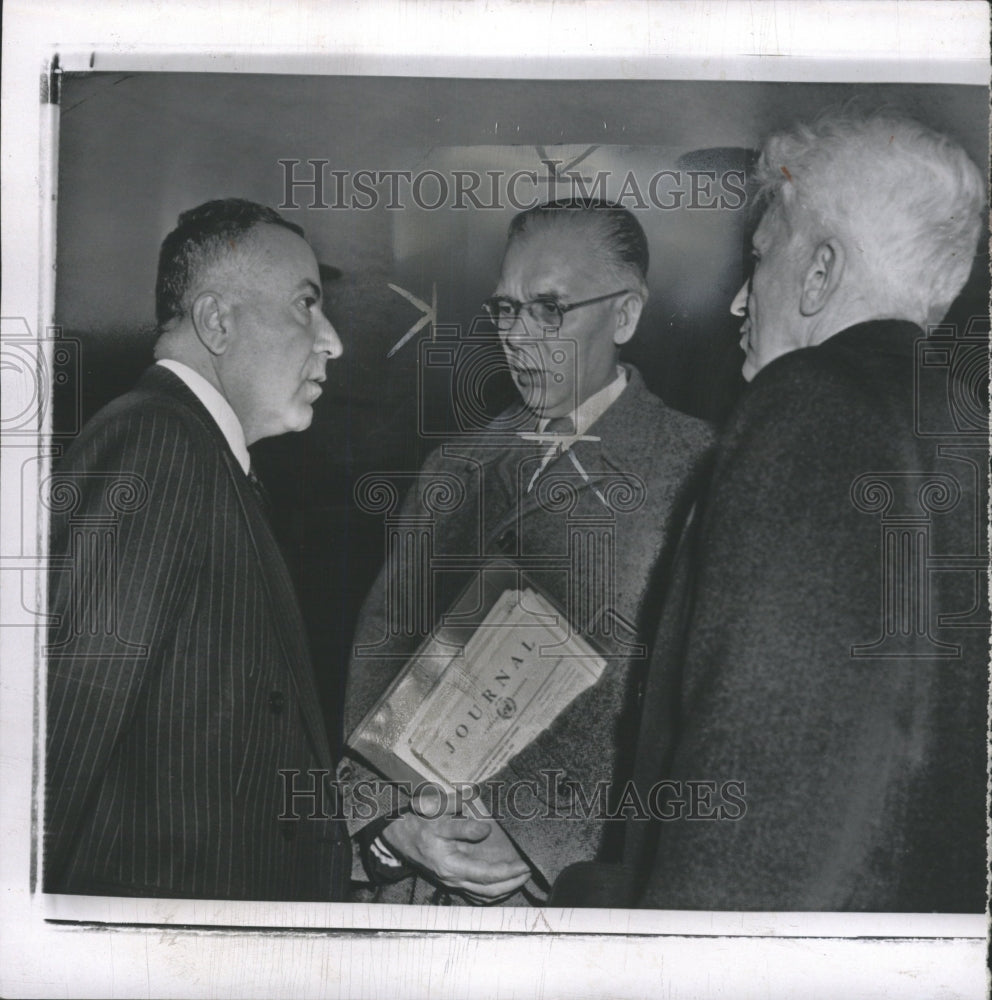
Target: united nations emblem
x=505, y=708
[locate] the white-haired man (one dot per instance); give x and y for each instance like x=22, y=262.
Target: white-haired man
x=826, y=659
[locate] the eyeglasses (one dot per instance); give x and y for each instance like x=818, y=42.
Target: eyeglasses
x=546, y=311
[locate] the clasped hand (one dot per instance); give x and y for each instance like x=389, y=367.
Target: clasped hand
x=470, y=855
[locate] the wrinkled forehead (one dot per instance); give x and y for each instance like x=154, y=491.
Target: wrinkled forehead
x=794, y=214
x=778, y=224
x=549, y=261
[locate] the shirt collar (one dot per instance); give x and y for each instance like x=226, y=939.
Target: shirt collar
x=591, y=409
x=218, y=408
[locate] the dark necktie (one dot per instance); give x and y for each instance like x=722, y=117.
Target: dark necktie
x=261, y=493
x=551, y=449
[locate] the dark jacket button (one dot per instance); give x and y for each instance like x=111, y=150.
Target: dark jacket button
x=277, y=701
x=507, y=540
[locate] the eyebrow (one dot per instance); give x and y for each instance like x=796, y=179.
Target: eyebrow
x=312, y=285
x=551, y=294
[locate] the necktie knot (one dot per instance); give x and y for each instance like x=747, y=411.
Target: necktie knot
x=561, y=425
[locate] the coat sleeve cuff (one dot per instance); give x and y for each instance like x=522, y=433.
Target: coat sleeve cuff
x=381, y=865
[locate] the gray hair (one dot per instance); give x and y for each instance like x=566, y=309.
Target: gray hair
x=607, y=230
x=908, y=200
x=203, y=236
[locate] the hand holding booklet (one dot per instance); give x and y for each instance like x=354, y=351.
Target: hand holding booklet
x=474, y=695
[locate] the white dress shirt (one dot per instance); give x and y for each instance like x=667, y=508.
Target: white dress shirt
x=218, y=408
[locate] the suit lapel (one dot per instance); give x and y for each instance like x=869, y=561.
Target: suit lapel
x=286, y=613
x=622, y=445
x=275, y=575
x=621, y=449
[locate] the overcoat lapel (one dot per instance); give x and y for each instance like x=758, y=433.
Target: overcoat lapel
x=626, y=452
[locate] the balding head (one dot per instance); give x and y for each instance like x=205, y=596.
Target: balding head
x=238, y=300
x=607, y=233
x=209, y=236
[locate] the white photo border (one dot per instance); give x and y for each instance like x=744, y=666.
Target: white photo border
x=62, y=945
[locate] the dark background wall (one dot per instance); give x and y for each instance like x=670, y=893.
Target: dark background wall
x=137, y=149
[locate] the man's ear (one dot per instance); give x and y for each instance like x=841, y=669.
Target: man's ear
x=822, y=276
x=628, y=316
x=211, y=317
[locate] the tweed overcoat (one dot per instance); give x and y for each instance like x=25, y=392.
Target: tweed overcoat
x=830, y=654
x=635, y=477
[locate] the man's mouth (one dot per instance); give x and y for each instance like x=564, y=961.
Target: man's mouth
x=315, y=384
x=520, y=368
x=529, y=376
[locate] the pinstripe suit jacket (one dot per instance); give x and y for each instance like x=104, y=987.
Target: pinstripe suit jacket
x=179, y=679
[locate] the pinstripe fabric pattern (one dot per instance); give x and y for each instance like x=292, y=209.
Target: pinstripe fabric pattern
x=162, y=769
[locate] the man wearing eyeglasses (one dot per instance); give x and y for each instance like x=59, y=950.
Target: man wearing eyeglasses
x=570, y=294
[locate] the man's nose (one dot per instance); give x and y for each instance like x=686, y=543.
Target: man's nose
x=739, y=306
x=517, y=331
x=327, y=340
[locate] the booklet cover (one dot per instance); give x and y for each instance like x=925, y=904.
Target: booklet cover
x=474, y=695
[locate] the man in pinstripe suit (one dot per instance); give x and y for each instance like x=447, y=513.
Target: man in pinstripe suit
x=182, y=710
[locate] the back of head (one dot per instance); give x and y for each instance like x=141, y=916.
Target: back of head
x=905, y=200
x=608, y=232
x=203, y=237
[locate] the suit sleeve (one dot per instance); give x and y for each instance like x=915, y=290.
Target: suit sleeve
x=377, y=657
x=125, y=553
